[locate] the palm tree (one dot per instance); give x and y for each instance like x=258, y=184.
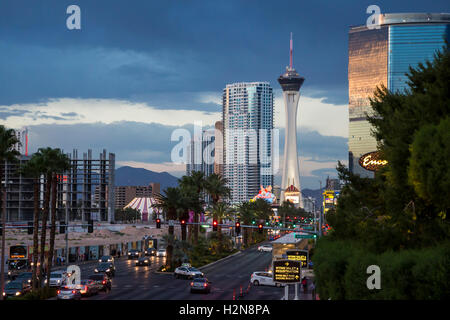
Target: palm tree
x=60, y=163
x=168, y=202
x=220, y=211
x=33, y=169
x=189, y=200
x=8, y=140
x=215, y=186
x=197, y=181
x=246, y=214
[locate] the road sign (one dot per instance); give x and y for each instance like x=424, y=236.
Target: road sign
x=286, y=271
x=304, y=236
x=298, y=255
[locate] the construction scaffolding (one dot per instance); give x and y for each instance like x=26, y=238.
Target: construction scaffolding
x=89, y=187
x=87, y=190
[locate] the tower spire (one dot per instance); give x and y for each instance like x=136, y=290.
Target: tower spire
x=290, y=53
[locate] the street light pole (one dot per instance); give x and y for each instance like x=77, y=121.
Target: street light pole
x=67, y=221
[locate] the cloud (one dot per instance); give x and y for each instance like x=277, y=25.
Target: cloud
x=100, y=111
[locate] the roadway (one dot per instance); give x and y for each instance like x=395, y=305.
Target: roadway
x=227, y=276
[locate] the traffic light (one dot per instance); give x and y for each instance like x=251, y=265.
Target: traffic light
x=253, y=221
x=90, y=226
x=214, y=225
x=267, y=222
x=158, y=223
x=238, y=228
x=62, y=228
x=260, y=228
x=183, y=222
x=30, y=228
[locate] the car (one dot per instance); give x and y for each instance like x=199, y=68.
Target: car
x=261, y=278
x=88, y=287
x=57, y=279
x=67, y=293
x=150, y=252
x=16, y=288
x=265, y=248
x=106, y=259
x=107, y=268
x=161, y=253
x=102, y=281
x=200, y=285
x=133, y=254
x=187, y=272
x=143, y=261
x=24, y=277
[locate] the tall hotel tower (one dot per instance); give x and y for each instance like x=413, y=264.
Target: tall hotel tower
x=291, y=82
x=383, y=56
x=247, y=143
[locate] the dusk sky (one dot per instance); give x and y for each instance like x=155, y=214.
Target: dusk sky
x=137, y=70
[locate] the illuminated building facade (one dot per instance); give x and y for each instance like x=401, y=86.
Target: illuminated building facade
x=383, y=57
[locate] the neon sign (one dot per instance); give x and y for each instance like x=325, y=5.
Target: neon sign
x=371, y=161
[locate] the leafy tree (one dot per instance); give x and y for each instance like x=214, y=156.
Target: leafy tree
x=397, y=121
x=429, y=165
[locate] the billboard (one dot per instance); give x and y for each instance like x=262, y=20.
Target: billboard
x=266, y=194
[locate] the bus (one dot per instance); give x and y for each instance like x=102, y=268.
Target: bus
x=18, y=260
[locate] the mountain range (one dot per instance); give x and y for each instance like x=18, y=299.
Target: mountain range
x=129, y=176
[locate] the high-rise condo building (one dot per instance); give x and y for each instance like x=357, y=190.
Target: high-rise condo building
x=247, y=133
x=382, y=57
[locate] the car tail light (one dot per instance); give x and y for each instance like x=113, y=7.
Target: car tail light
x=58, y=292
x=104, y=282
x=73, y=291
x=205, y=284
x=192, y=283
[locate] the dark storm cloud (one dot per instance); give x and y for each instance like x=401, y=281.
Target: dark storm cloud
x=133, y=49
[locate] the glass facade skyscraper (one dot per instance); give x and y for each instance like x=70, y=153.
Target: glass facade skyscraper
x=383, y=56
x=247, y=138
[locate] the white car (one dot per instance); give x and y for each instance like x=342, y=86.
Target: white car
x=261, y=278
x=57, y=278
x=265, y=248
x=187, y=272
x=161, y=253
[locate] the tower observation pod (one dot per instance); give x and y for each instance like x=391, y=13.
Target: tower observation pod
x=291, y=83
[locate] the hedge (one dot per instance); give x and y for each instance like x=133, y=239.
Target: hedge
x=419, y=274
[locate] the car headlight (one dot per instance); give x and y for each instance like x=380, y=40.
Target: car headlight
x=45, y=281
x=146, y=261
x=18, y=293
x=58, y=281
x=4, y=294
x=96, y=270
x=108, y=270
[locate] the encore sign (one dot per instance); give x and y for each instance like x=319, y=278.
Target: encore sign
x=371, y=161
x=286, y=271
